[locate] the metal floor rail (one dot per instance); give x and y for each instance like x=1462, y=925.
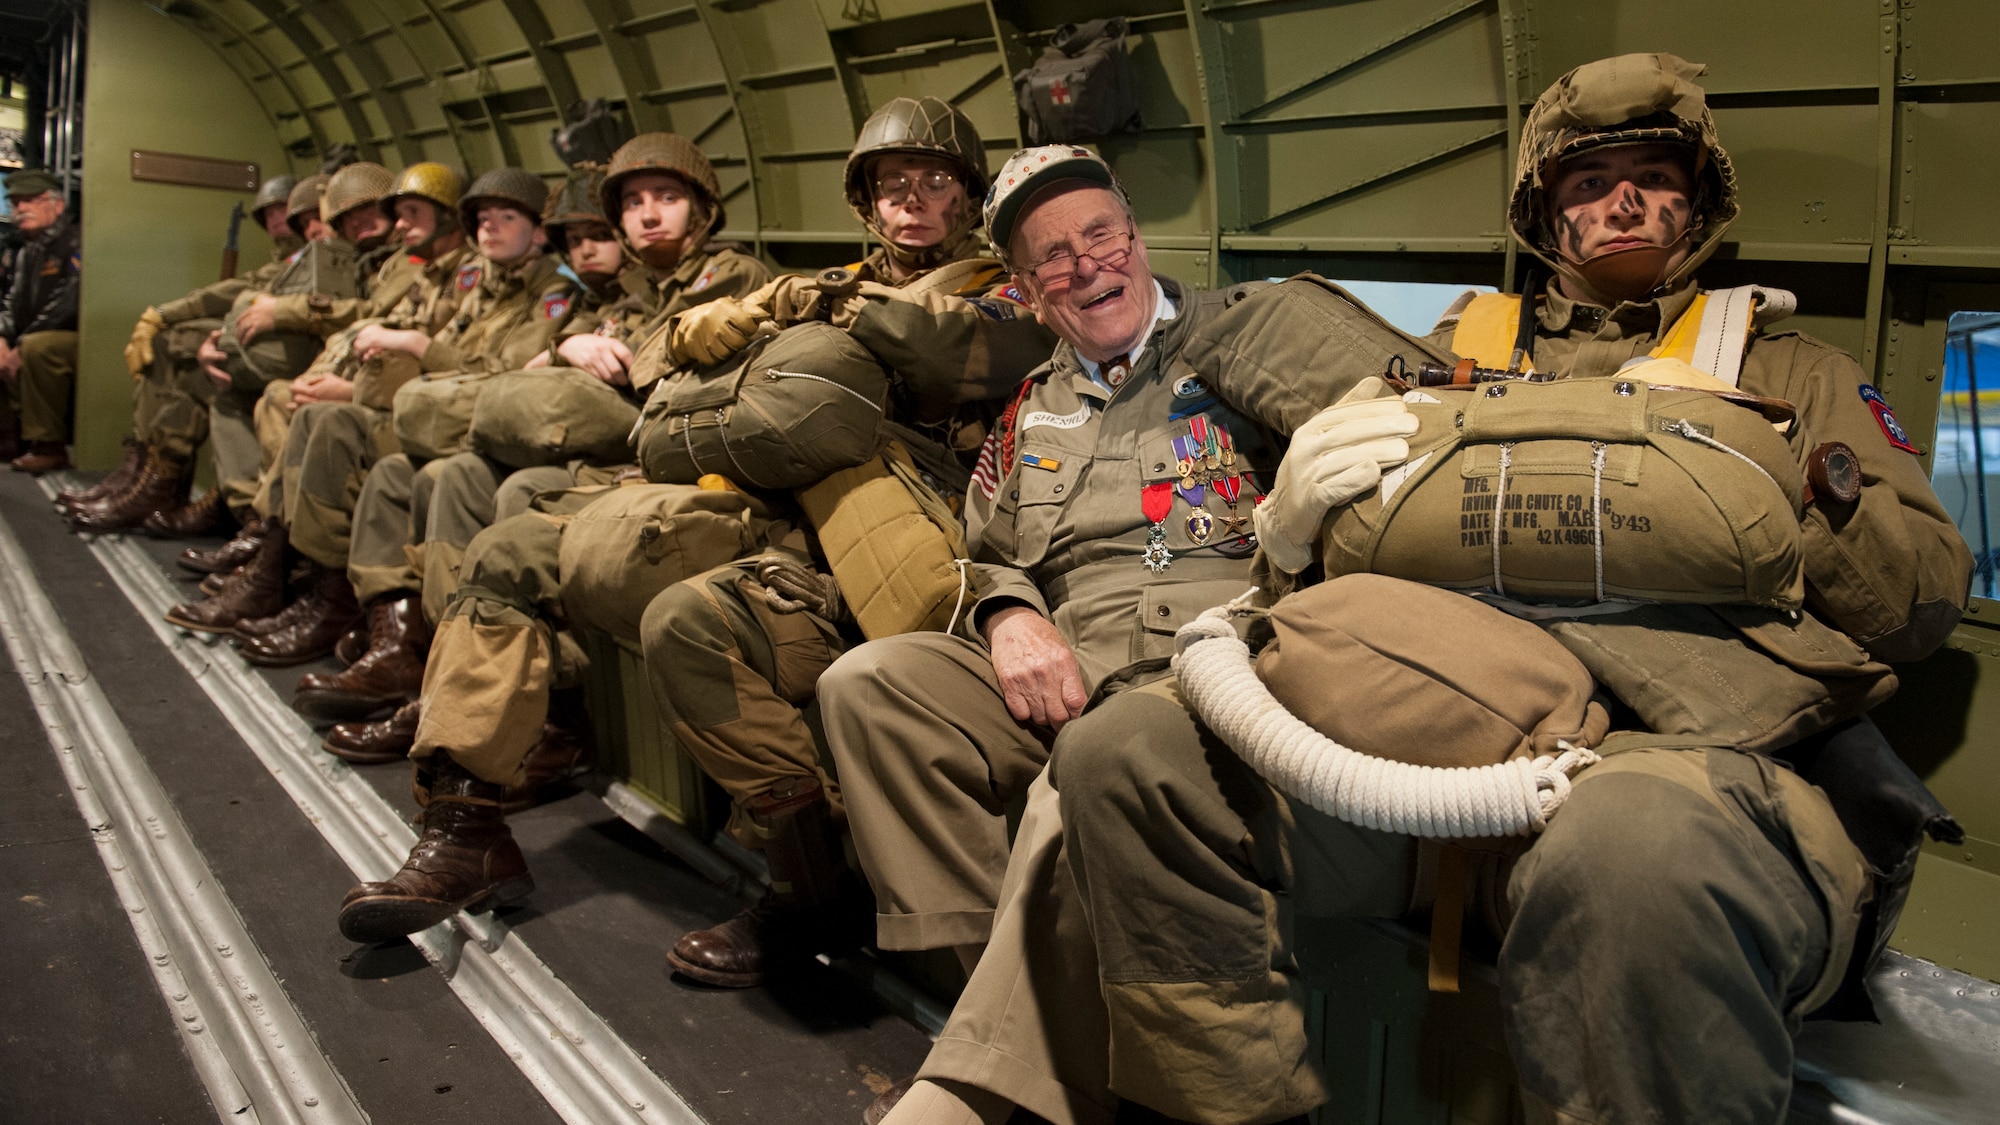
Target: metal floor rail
x=249, y=1046
x=585, y=1071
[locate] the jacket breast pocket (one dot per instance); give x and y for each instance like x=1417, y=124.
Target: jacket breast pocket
x=1035, y=500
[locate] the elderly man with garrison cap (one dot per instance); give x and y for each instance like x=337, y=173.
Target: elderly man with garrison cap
x=1667, y=930
x=38, y=325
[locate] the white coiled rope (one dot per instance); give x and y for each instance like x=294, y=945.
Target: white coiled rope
x=1511, y=798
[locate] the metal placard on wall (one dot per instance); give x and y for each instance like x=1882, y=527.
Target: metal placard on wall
x=193, y=171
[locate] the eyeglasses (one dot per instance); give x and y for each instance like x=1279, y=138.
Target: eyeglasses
x=1109, y=250
x=935, y=184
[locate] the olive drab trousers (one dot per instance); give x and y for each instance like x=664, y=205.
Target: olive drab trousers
x=271, y=423
x=1664, y=936
x=452, y=500
x=170, y=399
x=730, y=675
x=495, y=656
x=328, y=453
x=929, y=761
x=46, y=382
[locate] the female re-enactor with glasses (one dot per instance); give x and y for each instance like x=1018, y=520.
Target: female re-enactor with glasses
x=730, y=672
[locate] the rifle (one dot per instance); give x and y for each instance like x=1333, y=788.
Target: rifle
x=229, y=245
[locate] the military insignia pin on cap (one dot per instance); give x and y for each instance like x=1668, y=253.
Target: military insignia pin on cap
x=1025, y=173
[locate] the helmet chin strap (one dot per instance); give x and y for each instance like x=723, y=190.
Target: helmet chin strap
x=960, y=241
x=660, y=257
x=1626, y=274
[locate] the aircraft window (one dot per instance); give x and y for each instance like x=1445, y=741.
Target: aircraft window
x=1965, y=460
x=1413, y=306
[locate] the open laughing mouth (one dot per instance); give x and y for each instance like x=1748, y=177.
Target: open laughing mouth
x=1104, y=297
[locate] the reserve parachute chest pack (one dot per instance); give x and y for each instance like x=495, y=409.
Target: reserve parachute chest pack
x=1610, y=487
x=792, y=408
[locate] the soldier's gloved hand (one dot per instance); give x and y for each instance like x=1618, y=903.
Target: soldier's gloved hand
x=791, y=586
x=709, y=333
x=139, y=350
x=1335, y=457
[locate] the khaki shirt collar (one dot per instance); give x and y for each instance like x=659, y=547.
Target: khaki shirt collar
x=1560, y=315
x=1163, y=338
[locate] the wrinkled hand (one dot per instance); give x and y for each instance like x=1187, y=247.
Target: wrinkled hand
x=1039, y=677
x=602, y=356
x=139, y=350
x=1338, y=455
x=321, y=386
x=260, y=315
x=709, y=333
x=791, y=586
x=211, y=357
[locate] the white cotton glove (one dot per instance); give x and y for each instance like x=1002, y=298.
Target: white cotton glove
x=1338, y=455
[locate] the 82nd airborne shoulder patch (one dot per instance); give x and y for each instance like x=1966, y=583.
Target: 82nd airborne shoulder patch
x=468, y=276
x=554, y=305
x=1886, y=418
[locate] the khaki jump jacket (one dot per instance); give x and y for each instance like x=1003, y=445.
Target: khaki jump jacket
x=1069, y=538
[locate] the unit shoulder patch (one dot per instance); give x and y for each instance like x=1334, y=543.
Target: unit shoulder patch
x=468, y=277
x=554, y=306
x=995, y=310
x=1886, y=418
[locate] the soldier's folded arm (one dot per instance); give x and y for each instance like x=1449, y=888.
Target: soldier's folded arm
x=210, y=302
x=954, y=347
x=1891, y=570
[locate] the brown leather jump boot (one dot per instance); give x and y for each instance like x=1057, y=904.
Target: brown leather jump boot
x=354, y=645
x=561, y=755
x=162, y=483
x=808, y=878
x=309, y=629
x=257, y=590
x=229, y=556
x=113, y=482
x=466, y=859
x=42, y=457
x=389, y=674
x=192, y=520
x=384, y=740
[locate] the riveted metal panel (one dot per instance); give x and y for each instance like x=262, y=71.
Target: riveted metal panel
x=1807, y=173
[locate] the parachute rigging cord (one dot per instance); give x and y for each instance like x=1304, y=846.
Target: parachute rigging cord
x=1511, y=798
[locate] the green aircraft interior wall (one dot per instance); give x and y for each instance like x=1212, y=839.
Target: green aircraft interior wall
x=150, y=84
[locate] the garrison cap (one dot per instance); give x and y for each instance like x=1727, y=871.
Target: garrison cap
x=1027, y=172
x=29, y=182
